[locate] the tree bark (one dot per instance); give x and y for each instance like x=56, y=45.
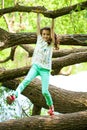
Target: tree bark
x=36, y=110
x=56, y=53
x=64, y=101
x=57, y=65
x=14, y=73
x=75, y=58
x=74, y=121
x=47, y=13
x=12, y=39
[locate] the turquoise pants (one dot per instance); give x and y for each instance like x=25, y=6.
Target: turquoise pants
x=35, y=71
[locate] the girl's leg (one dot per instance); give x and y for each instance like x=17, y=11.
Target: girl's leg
x=30, y=76
x=45, y=84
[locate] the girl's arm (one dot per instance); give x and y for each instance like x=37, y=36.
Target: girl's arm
x=54, y=36
x=52, y=31
x=38, y=24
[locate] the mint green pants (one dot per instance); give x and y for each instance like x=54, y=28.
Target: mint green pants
x=33, y=72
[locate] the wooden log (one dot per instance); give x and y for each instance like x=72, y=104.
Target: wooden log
x=74, y=121
x=64, y=101
x=57, y=65
x=56, y=53
x=12, y=39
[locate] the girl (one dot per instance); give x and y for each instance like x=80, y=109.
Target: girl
x=41, y=65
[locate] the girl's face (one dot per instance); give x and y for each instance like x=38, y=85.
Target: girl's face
x=46, y=35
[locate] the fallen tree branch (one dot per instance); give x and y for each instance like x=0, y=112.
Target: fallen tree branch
x=56, y=53
x=57, y=65
x=64, y=101
x=74, y=121
x=12, y=39
x=71, y=59
x=14, y=73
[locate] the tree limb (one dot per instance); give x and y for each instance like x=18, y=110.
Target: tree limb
x=44, y=11
x=12, y=39
x=64, y=101
x=11, y=56
x=74, y=121
x=71, y=59
x=56, y=53
x=57, y=65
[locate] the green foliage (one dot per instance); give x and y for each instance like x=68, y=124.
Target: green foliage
x=20, y=108
x=73, y=23
x=8, y=3
x=64, y=24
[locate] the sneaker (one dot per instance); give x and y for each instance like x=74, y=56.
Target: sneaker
x=51, y=111
x=10, y=99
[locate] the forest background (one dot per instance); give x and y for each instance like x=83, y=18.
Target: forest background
x=74, y=23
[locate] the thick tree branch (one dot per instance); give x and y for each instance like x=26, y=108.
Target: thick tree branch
x=11, y=56
x=73, y=58
x=74, y=121
x=56, y=53
x=57, y=65
x=44, y=11
x=64, y=101
x=12, y=39
x=13, y=73
x=29, y=49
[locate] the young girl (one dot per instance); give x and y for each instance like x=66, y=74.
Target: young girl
x=41, y=65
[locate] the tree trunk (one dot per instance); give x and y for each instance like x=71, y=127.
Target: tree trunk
x=73, y=58
x=64, y=101
x=36, y=110
x=12, y=39
x=74, y=121
x=57, y=65
x=56, y=53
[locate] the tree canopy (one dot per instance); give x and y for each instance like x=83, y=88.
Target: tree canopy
x=18, y=35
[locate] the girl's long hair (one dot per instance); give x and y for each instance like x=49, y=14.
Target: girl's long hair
x=56, y=43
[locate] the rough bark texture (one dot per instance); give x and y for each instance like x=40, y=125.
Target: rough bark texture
x=56, y=53
x=57, y=65
x=64, y=101
x=11, y=74
x=74, y=121
x=44, y=11
x=12, y=39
